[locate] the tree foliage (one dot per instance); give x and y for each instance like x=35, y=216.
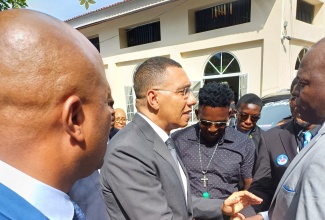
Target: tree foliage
x=86, y=3
x=7, y=4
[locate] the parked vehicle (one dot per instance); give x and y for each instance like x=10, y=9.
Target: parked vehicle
x=275, y=108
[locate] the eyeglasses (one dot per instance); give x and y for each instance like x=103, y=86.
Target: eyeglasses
x=244, y=117
x=185, y=92
x=217, y=124
x=120, y=120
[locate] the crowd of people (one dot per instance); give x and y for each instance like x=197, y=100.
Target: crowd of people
x=66, y=153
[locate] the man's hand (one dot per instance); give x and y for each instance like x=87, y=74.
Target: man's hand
x=237, y=201
x=237, y=216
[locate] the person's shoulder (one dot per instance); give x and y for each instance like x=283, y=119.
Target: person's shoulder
x=183, y=132
x=233, y=134
x=129, y=136
x=284, y=128
x=240, y=142
x=10, y=200
x=258, y=129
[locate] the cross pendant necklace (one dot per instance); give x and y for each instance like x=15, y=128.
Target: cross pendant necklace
x=205, y=179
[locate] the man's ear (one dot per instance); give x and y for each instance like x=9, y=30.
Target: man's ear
x=153, y=99
x=73, y=118
x=230, y=111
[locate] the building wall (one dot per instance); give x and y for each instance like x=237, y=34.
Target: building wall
x=268, y=59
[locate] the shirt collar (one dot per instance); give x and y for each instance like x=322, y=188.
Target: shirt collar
x=53, y=203
x=161, y=133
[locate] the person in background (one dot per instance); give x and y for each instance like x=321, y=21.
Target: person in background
x=120, y=118
x=113, y=129
x=249, y=108
x=54, y=115
x=233, y=114
x=278, y=147
x=142, y=176
x=216, y=157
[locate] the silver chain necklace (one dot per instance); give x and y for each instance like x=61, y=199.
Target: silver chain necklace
x=204, y=172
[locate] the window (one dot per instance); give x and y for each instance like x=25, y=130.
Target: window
x=301, y=54
x=221, y=63
x=305, y=11
x=130, y=104
x=224, y=67
x=143, y=34
x=196, y=85
x=224, y=15
x=95, y=42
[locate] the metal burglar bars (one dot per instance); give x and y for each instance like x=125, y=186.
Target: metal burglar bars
x=224, y=15
x=95, y=42
x=305, y=12
x=143, y=34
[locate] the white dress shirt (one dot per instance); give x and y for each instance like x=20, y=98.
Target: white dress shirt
x=53, y=203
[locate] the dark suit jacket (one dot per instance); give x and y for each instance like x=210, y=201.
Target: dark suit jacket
x=87, y=193
x=141, y=180
x=270, y=165
x=256, y=136
x=13, y=206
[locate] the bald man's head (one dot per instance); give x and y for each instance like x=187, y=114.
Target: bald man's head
x=120, y=118
x=41, y=60
x=53, y=92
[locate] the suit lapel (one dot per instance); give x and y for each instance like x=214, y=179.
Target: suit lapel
x=160, y=147
x=289, y=140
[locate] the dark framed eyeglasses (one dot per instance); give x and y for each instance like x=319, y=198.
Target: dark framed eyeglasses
x=244, y=117
x=185, y=92
x=217, y=124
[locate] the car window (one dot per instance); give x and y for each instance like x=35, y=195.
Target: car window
x=273, y=112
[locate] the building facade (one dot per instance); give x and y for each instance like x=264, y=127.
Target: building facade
x=254, y=45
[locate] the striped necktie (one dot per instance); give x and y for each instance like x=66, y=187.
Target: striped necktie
x=78, y=213
x=171, y=146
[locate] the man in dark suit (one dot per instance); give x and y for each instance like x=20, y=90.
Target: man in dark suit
x=54, y=114
x=277, y=149
x=142, y=176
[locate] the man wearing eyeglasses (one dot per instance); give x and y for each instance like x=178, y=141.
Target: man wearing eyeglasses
x=216, y=157
x=142, y=176
x=249, y=108
x=120, y=118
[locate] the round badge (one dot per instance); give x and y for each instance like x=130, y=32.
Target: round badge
x=282, y=160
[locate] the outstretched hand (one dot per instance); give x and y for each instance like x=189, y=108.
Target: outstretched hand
x=237, y=216
x=237, y=201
